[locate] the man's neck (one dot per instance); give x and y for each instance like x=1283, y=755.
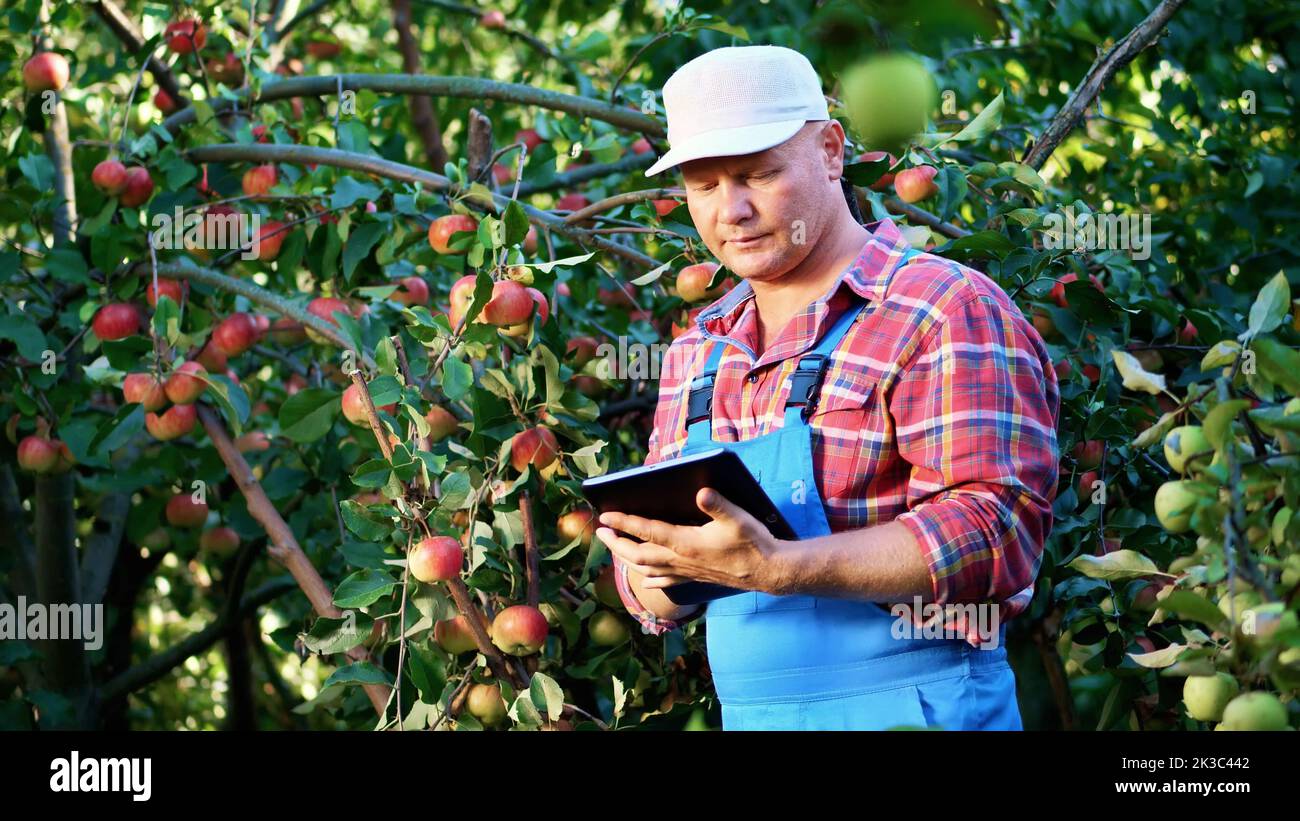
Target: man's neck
x=780, y=300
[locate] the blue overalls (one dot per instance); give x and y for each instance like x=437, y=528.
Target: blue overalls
x=812, y=663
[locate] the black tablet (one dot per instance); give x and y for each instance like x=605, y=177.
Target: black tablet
x=666, y=491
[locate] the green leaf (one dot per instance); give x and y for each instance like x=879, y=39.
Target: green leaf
x=1188, y=605
x=117, y=431
x=68, y=265
x=1270, y=306
x=457, y=376
x=385, y=390
x=1279, y=363
x=329, y=635
x=26, y=336
x=362, y=522
x=359, y=244
x=372, y=474
x=348, y=191
x=1119, y=564
x=516, y=222
x=309, y=414
x=1137, y=378
x=547, y=267
x=547, y=695
x=363, y=672
x=364, y=588
x=980, y=244
x=985, y=123
x=1221, y=354
x=653, y=275
x=1158, y=659
x=38, y=170
x=386, y=357
x=1218, y=422
x=456, y=492
x=230, y=397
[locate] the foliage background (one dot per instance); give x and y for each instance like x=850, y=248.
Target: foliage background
x=1199, y=132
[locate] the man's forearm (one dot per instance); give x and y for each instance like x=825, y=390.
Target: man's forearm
x=880, y=563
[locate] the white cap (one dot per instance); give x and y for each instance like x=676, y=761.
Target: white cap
x=738, y=100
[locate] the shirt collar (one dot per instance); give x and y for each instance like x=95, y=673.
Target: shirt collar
x=868, y=276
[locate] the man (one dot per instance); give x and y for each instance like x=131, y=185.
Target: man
x=902, y=416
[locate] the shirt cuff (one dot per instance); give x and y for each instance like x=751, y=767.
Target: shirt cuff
x=650, y=623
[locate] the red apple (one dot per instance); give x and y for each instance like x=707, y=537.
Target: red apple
x=534, y=446
x=462, y=294
x=607, y=588
x=324, y=308
x=46, y=71
x=442, y=229
x=885, y=179
x=163, y=101
x=614, y=297
x=519, y=630
x=251, y=441
x=1086, y=480
x=529, y=138
x=511, y=304
x=183, y=511
x=1063, y=369
x=145, y=389
x=442, y=423
x=139, y=187
x=664, y=207
x=270, y=237
x=530, y=240
x=1089, y=454
x=324, y=49
x=678, y=330
x=1092, y=372
x=354, y=406
x=38, y=455
x=484, y=702
x=589, y=386
x=287, y=331
x=454, y=635
x=576, y=523
x=642, y=146
x=259, y=179
x=436, y=559
x=916, y=184
x=503, y=174
x=117, y=320
x=492, y=19
x=185, y=36
x=413, y=291
x=109, y=177
x=693, y=282
x=212, y=358
x=235, y=334
x=177, y=421
x=219, y=540
x=185, y=385
x=1188, y=333
x=573, y=201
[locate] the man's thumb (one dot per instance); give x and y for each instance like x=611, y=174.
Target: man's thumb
x=711, y=502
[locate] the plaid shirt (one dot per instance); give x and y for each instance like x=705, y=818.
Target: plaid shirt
x=939, y=409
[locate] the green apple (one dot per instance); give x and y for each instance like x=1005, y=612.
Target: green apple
x=889, y=98
x=485, y=703
x=1180, y=443
x=1174, y=504
x=607, y=629
x=1206, y=696
x=1255, y=711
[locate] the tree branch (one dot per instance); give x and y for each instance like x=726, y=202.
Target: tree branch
x=423, y=120
x=101, y=549
x=66, y=665
x=469, y=88
x=1098, y=75
x=301, y=154
x=283, y=547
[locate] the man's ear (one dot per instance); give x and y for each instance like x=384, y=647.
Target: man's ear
x=832, y=143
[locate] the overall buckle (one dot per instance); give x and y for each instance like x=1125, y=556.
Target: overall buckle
x=699, y=405
x=805, y=382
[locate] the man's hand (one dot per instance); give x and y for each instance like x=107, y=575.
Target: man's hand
x=734, y=549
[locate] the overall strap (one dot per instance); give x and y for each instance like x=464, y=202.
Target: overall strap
x=806, y=380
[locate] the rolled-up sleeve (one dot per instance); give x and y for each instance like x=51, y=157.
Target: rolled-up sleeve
x=666, y=413
x=975, y=416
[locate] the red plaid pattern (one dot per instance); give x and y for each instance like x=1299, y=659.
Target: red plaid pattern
x=939, y=409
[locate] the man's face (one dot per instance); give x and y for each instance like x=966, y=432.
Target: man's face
x=777, y=199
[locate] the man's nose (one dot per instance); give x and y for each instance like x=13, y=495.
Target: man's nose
x=737, y=204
